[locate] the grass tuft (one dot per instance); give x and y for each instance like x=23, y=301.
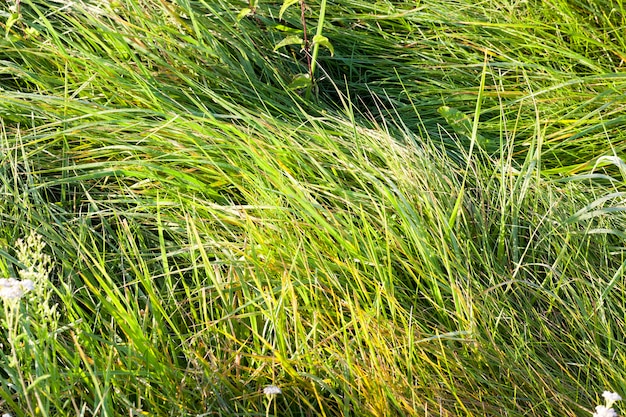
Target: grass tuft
x=437, y=230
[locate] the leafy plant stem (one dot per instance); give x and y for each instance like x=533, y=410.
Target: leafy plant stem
x=316, y=46
x=12, y=315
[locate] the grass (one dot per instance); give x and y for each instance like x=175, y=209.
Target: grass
x=439, y=230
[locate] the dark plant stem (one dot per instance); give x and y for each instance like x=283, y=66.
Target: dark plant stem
x=307, y=50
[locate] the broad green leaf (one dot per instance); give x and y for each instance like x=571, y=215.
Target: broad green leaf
x=300, y=81
x=10, y=22
x=458, y=120
x=462, y=125
x=285, y=6
x=323, y=41
x=32, y=32
x=287, y=29
x=243, y=13
x=289, y=40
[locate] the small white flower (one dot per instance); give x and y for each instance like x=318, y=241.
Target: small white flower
x=602, y=411
x=611, y=397
x=13, y=289
x=272, y=390
x=30, y=252
x=27, y=285
x=6, y=415
x=27, y=274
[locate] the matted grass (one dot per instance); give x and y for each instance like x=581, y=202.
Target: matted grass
x=439, y=230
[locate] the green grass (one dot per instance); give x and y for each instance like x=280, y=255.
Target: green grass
x=438, y=230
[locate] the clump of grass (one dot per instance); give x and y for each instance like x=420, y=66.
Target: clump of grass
x=212, y=233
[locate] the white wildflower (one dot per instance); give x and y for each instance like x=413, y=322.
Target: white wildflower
x=6, y=415
x=610, y=398
x=13, y=289
x=27, y=285
x=30, y=252
x=602, y=411
x=35, y=276
x=272, y=390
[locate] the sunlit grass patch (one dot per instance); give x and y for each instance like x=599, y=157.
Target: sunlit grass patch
x=438, y=229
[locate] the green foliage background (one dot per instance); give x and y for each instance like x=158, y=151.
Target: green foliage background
x=437, y=230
